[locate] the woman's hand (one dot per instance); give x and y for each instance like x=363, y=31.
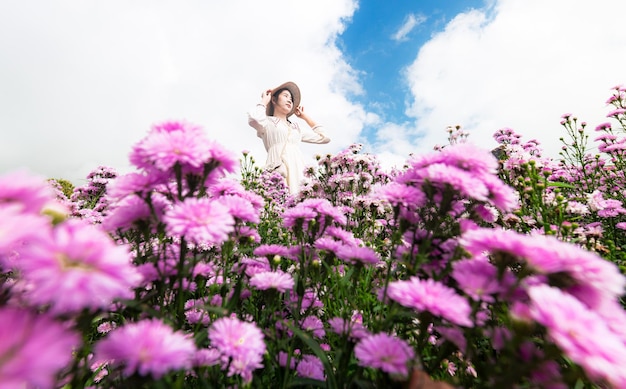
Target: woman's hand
x=266, y=97
x=299, y=112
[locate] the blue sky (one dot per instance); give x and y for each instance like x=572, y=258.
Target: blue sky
x=382, y=39
x=81, y=81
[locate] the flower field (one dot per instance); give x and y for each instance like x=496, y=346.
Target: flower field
x=465, y=268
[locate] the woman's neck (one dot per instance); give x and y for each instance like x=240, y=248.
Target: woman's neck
x=281, y=116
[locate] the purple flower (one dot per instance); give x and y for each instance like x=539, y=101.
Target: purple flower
x=172, y=143
x=364, y=255
x=76, y=266
x=478, y=278
x=432, y=296
x=581, y=333
x=33, y=349
x=30, y=192
x=278, y=280
x=354, y=328
x=146, y=347
x=240, y=208
x=201, y=221
x=240, y=341
x=310, y=366
x=385, y=352
x=16, y=226
x=270, y=250
x=547, y=255
x=314, y=325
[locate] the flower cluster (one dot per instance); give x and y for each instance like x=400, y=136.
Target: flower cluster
x=454, y=268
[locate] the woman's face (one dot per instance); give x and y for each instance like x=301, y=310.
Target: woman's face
x=284, y=102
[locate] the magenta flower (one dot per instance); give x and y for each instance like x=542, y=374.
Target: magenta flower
x=270, y=250
x=432, y=296
x=33, y=349
x=240, y=341
x=182, y=143
x=76, y=266
x=364, y=255
x=354, y=329
x=384, y=352
x=310, y=366
x=477, y=278
x=200, y=221
x=240, y=208
x=278, y=280
x=30, y=192
x=146, y=347
x=581, y=333
x=314, y=325
x=16, y=226
x=547, y=255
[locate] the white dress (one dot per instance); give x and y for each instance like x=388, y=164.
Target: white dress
x=281, y=141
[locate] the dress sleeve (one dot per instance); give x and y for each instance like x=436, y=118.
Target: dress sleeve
x=258, y=119
x=315, y=135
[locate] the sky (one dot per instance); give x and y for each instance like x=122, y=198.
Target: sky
x=82, y=81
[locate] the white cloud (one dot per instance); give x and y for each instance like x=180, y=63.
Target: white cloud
x=520, y=64
x=83, y=80
x=410, y=22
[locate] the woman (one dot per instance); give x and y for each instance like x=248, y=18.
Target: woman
x=282, y=137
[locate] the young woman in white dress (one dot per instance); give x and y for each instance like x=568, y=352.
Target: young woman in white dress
x=281, y=137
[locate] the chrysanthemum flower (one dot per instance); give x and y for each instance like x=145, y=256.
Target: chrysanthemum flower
x=200, y=221
x=28, y=191
x=581, y=333
x=182, y=143
x=478, y=278
x=270, y=250
x=278, y=280
x=77, y=266
x=385, y=352
x=310, y=366
x=364, y=255
x=314, y=325
x=240, y=208
x=146, y=347
x=354, y=328
x=17, y=226
x=240, y=341
x=432, y=296
x=547, y=255
x=33, y=349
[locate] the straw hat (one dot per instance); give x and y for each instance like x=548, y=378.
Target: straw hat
x=295, y=94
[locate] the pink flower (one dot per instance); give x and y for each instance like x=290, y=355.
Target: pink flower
x=310, y=366
x=364, y=255
x=354, y=328
x=385, y=352
x=478, y=278
x=240, y=208
x=547, y=255
x=581, y=333
x=314, y=325
x=33, y=349
x=30, y=192
x=270, y=250
x=17, y=226
x=146, y=347
x=76, y=266
x=170, y=144
x=278, y=280
x=240, y=341
x=432, y=296
x=200, y=221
